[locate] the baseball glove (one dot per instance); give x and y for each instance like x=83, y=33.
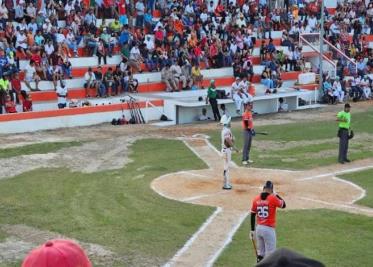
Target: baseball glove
x=351, y=135
x=226, y=144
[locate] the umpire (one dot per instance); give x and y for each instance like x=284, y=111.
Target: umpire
x=344, y=122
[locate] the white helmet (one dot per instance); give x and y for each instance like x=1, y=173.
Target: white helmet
x=225, y=120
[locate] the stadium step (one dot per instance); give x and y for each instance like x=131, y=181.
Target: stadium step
x=79, y=93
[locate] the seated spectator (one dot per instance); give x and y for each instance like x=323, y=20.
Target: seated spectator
x=108, y=41
x=10, y=106
x=135, y=58
x=197, y=76
x=100, y=86
x=109, y=82
x=266, y=80
x=27, y=104
x=203, y=116
x=338, y=91
x=365, y=84
x=328, y=91
x=16, y=90
x=61, y=92
x=167, y=78
x=132, y=83
x=238, y=95
x=283, y=107
x=90, y=81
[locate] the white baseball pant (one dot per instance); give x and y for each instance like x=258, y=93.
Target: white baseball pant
x=227, y=155
x=265, y=239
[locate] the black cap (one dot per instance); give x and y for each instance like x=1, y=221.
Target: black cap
x=268, y=185
x=286, y=258
x=347, y=105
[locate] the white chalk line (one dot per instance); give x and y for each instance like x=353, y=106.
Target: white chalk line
x=204, y=196
x=362, y=191
x=350, y=207
x=196, y=153
x=227, y=241
x=193, y=238
x=336, y=173
x=194, y=174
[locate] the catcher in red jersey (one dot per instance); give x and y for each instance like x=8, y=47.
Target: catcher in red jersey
x=263, y=210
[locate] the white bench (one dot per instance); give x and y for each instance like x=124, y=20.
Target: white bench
x=184, y=107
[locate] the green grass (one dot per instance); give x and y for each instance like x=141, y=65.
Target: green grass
x=2, y=235
x=39, y=148
x=303, y=156
x=116, y=209
x=335, y=238
x=363, y=179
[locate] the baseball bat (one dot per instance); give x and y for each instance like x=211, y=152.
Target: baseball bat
x=140, y=112
x=262, y=133
x=254, y=246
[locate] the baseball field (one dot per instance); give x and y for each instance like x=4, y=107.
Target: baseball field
x=144, y=196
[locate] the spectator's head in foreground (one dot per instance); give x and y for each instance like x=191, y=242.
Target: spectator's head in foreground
x=57, y=253
x=286, y=258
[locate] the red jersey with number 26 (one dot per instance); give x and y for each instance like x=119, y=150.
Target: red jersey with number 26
x=265, y=210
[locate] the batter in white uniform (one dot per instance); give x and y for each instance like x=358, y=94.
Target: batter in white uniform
x=227, y=144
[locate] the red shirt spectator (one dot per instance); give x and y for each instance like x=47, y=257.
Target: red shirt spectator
x=36, y=58
x=10, y=107
x=159, y=34
x=122, y=7
x=27, y=105
x=16, y=84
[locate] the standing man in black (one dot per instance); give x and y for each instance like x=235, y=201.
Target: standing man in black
x=212, y=97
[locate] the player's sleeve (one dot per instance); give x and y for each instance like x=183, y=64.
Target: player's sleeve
x=254, y=207
x=278, y=202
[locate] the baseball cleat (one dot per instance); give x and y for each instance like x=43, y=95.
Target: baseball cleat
x=244, y=162
x=250, y=161
x=229, y=187
x=347, y=160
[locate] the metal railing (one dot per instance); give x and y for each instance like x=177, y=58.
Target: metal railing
x=314, y=42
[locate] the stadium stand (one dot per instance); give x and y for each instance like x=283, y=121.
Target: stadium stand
x=150, y=47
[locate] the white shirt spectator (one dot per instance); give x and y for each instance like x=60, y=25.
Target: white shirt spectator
x=140, y=8
x=49, y=49
x=47, y=27
x=68, y=8
x=89, y=77
x=189, y=9
x=33, y=27
x=149, y=42
x=203, y=16
x=61, y=94
x=30, y=72
x=3, y=12
x=60, y=38
x=135, y=53
x=312, y=22
x=31, y=11
x=21, y=40
x=244, y=85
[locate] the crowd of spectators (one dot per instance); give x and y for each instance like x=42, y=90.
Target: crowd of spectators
x=189, y=35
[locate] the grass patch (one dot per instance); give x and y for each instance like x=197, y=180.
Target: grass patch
x=304, y=156
x=363, y=179
x=116, y=208
x=335, y=238
x=2, y=235
x=39, y=148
